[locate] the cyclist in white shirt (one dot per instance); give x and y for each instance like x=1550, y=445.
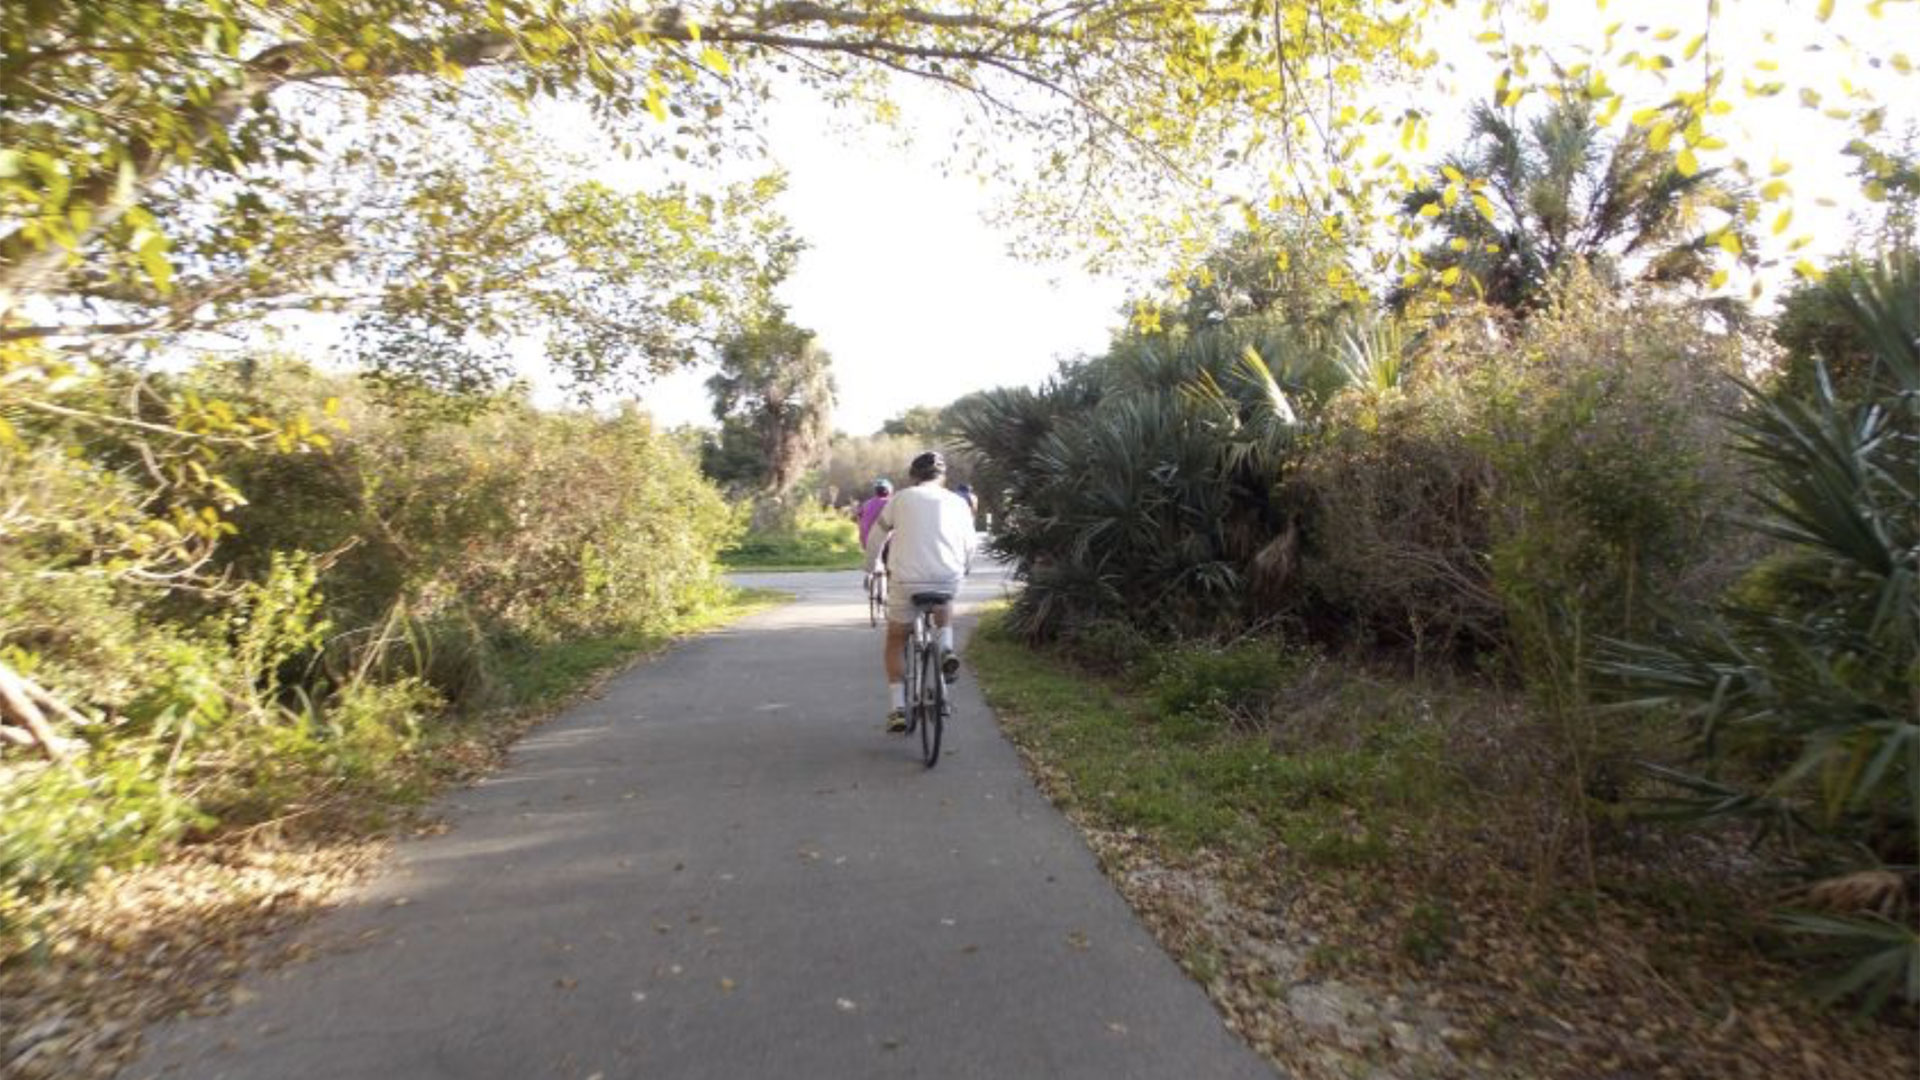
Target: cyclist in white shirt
x=933, y=541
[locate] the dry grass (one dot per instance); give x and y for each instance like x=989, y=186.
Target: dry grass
x=141, y=945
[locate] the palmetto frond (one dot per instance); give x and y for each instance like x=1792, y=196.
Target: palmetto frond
x=1559, y=193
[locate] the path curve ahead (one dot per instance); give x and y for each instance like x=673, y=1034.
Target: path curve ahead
x=723, y=868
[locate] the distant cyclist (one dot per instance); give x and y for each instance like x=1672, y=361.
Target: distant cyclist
x=882, y=491
x=965, y=491
x=932, y=538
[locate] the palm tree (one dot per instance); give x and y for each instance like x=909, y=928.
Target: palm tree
x=776, y=382
x=1524, y=201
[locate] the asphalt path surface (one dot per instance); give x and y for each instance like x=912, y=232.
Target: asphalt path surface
x=723, y=867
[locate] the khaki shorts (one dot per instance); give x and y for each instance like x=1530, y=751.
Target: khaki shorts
x=900, y=598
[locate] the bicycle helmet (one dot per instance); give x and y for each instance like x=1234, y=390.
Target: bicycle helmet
x=883, y=486
x=928, y=466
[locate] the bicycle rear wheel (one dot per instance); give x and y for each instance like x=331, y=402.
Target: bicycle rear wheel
x=912, y=685
x=933, y=697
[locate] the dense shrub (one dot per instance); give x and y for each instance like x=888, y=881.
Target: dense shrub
x=1111, y=647
x=512, y=524
x=1802, y=695
x=1524, y=484
x=1607, y=426
x=805, y=536
x=1392, y=496
x=1235, y=685
x=235, y=596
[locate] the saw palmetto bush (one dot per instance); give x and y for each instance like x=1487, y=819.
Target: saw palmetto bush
x=1803, y=694
x=1144, y=485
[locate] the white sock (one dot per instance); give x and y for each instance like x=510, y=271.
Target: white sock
x=899, y=692
x=946, y=638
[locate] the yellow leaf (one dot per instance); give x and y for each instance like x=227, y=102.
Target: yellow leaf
x=656, y=106
x=1807, y=270
x=1719, y=279
x=1431, y=210
x=1686, y=162
x=1450, y=276
x=1780, y=223
x=1730, y=243
x=715, y=61
x=1484, y=205
x=1826, y=10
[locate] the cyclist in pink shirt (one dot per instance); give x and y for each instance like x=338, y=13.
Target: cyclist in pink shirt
x=870, y=510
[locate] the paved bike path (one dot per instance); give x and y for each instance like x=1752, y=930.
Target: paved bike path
x=723, y=868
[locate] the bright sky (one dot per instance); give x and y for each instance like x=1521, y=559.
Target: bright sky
x=919, y=300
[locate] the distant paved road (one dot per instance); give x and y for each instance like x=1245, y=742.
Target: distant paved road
x=723, y=868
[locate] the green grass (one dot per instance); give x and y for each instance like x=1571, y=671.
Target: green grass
x=821, y=543
x=551, y=672
x=1195, y=782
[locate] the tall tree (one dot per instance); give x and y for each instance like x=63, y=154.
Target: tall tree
x=1281, y=268
x=99, y=101
x=777, y=379
x=1526, y=199
x=449, y=247
x=924, y=421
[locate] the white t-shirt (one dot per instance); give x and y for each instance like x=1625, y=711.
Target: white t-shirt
x=933, y=536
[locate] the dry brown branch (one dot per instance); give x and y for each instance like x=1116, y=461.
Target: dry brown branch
x=19, y=703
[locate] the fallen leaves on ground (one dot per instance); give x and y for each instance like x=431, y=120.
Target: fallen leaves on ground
x=1450, y=960
x=159, y=941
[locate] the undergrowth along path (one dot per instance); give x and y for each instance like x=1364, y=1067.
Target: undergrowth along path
x=723, y=868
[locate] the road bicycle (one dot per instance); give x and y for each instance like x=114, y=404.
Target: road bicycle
x=927, y=704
